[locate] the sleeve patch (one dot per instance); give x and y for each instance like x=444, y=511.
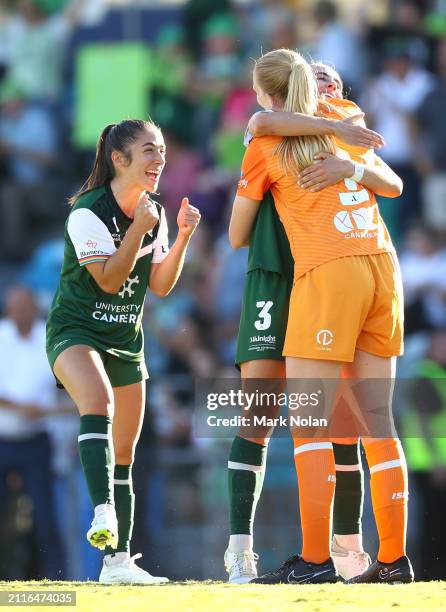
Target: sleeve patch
x=90, y=237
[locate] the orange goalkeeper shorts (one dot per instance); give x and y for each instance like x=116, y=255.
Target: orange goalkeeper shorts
x=346, y=304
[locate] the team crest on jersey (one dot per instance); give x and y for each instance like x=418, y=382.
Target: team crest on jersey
x=127, y=287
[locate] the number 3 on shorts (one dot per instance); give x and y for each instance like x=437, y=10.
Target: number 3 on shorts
x=264, y=318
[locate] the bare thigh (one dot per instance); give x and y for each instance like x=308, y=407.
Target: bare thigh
x=81, y=371
x=129, y=414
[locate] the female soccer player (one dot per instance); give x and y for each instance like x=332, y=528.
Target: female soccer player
x=345, y=313
x=265, y=308
x=116, y=245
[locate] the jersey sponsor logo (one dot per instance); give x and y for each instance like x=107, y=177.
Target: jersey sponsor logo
x=127, y=287
x=115, y=318
x=361, y=222
x=262, y=343
x=112, y=313
x=267, y=339
x=91, y=244
x=325, y=337
x=90, y=253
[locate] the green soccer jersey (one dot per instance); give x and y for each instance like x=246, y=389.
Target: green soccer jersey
x=94, y=230
x=269, y=248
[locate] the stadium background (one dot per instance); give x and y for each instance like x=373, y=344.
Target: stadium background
x=69, y=67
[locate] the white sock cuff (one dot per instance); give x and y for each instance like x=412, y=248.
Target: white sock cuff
x=235, y=465
x=239, y=542
x=93, y=436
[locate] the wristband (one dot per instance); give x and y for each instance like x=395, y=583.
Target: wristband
x=359, y=172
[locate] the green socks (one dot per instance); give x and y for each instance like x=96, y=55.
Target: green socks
x=125, y=506
x=97, y=457
x=246, y=471
x=349, y=495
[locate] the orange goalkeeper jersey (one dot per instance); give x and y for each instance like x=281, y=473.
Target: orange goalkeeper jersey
x=338, y=108
x=338, y=221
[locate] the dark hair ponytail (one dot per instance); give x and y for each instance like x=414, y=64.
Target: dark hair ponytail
x=114, y=137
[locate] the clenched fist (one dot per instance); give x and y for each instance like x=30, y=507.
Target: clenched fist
x=146, y=214
x=188, y=218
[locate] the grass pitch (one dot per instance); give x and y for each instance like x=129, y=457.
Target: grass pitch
x=221, y=597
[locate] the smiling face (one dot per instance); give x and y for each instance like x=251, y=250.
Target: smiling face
x=329, y=83
x=146, y=158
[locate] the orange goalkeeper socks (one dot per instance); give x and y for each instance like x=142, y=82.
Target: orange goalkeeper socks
x=316, y=474
x=389, y=489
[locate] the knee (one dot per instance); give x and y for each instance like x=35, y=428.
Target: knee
x=100, y=403
x=124, y=454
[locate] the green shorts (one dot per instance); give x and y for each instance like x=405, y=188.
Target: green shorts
x=120, y=372
x=264, y=316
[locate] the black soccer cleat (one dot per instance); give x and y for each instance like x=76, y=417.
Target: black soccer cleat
x=400, y=571
x=297, y=571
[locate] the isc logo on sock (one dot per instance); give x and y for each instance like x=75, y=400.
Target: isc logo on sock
x=331, y=478
x=399, y=495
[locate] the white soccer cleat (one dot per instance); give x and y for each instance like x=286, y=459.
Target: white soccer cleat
x=349, y=563
x=241, y=566
x=125, y=571
x=104, y=527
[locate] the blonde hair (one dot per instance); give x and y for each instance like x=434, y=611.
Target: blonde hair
x=285, y=73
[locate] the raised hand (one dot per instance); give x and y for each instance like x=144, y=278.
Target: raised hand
x=188, y=218
x=146, y=214
x=352, y=133
x=326, y=170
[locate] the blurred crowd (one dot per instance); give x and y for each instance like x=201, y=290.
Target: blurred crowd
x=68, y=67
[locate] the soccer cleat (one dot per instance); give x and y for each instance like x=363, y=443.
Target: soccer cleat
x=104, y=527
x=297, y=571
x=400, y=571
x=241, y=566
x=127, y=572
x=349, y=563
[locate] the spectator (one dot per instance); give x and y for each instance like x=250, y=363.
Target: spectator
x=390, y=100
x=27, y=398
x=423, y=267
x=37, y=47
x=425, y=445
x=172, y=97
x=430, y=135
x=28, y=147
x=337, y=44
x=217, y=73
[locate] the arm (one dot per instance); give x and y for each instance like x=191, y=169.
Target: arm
x=114, y=271
x=244, y=212
x=164, y=275
x=330, y=169
x=298, y=124
x=254, y=183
